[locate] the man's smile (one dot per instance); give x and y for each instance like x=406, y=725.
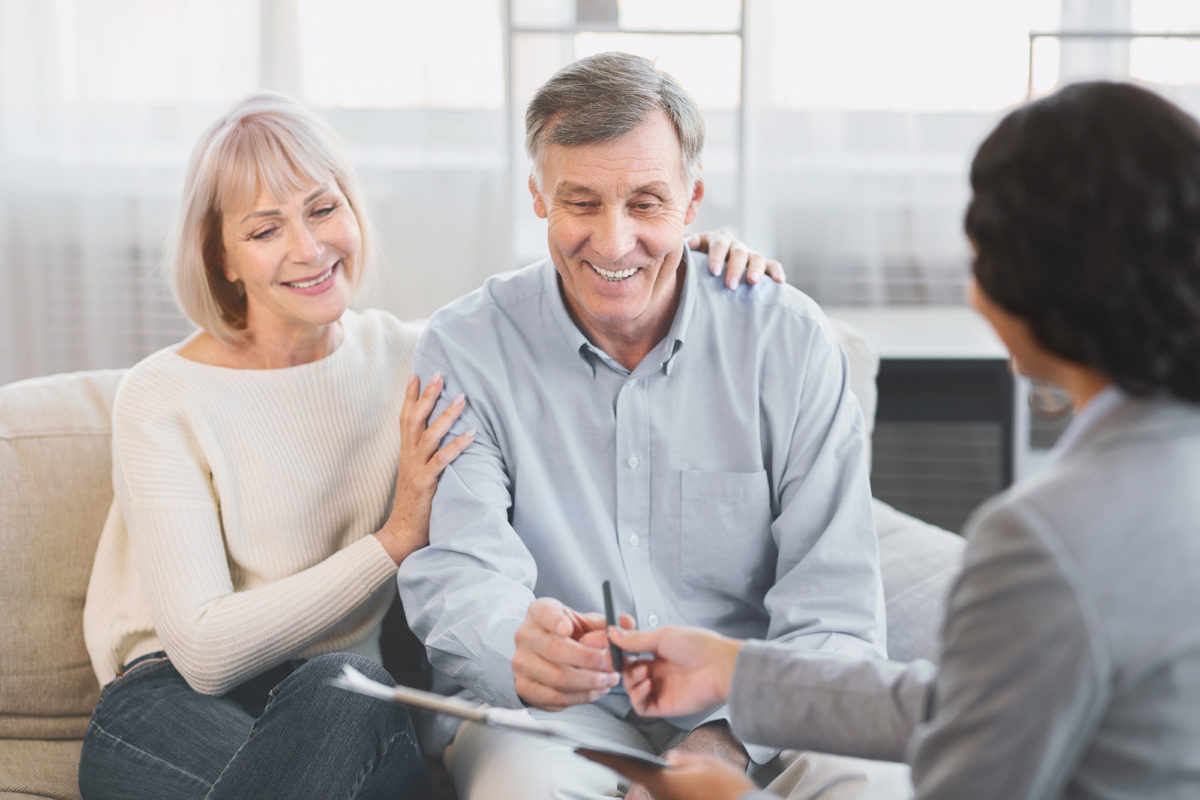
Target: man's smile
x=611, y=275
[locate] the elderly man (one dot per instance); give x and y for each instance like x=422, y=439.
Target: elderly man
x=637, y=423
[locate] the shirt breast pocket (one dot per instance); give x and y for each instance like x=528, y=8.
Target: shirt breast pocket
x=725, y=539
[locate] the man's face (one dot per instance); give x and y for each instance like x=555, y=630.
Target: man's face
x=615, y=214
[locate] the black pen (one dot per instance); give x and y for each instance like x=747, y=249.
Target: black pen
x=611, y=617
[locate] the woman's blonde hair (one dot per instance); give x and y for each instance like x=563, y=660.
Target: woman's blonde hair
x=266, y=143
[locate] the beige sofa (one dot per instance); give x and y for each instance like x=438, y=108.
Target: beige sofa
x=55, y=492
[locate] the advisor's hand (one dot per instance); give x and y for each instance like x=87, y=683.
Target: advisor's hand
x=562, y=657
x=690, y=776
x=714, y=740
x=691, y=670
x=727, y=253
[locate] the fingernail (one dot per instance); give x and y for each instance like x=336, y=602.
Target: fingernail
x=458, y=401
x=470, y=433
x=613, y=679
x=437, y=376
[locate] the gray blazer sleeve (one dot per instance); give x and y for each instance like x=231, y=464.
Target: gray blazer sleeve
x=1021, y=687
x=1016, y=698
x=828, y=702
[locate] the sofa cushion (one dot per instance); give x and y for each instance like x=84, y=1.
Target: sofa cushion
x=39, y=769
x=55, y=459
x=919, y=562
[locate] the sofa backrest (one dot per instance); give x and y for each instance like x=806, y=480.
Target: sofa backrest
x=56, y=489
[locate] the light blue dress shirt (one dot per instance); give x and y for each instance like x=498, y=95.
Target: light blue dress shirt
x=722, y=483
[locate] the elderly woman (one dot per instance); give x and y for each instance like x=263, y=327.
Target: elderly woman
x=264, y=492
x=1071, y=652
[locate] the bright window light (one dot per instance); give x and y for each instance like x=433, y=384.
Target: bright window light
x=709, y=66
x=402, y=54
x=919, y=55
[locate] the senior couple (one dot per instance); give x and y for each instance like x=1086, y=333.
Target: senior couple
x=613, y=412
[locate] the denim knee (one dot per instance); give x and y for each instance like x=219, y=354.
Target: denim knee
x=328, y=666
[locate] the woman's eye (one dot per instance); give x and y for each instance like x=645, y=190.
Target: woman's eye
x=263, y=234
x=325, y=211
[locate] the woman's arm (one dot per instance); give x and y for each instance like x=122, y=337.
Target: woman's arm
x=422, y=459
x=306, y=584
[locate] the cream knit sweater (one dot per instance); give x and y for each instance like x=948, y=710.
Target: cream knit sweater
x=239, y=535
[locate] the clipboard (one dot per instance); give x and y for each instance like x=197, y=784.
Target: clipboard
x=512, y=719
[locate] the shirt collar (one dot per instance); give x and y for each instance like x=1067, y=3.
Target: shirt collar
x=1086, y=420
x=661, y=356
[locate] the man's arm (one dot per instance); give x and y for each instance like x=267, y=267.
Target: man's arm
x=828, y=593
x=467, y=592
x=469, y=595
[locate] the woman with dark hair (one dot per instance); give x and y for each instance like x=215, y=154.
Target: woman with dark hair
x=1071, y=650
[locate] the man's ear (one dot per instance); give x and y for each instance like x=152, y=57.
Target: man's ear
x=539, y=205
x=694, y=206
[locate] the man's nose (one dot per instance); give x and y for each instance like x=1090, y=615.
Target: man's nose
x=614, y=236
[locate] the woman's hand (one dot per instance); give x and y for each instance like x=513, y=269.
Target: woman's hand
x=691, y=669
x=726, y=252
x=689, y=776
x=422, y=459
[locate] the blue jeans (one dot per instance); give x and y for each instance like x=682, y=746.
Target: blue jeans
x=283, y=734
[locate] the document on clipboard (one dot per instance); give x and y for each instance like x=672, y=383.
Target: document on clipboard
x=513, y=719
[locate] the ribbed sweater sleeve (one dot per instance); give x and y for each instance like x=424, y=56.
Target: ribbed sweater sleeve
x=247, y=498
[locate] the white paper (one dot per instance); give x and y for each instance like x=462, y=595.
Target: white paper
x=514, y=719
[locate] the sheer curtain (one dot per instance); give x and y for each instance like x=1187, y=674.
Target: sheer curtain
x=101, y=101
x=840, y=134
x=862, y=119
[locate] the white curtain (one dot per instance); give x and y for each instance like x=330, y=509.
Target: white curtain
x=101, y=101
x=842, y=149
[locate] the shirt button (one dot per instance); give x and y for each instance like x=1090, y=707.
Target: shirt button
x=633, y=462
x=634, y=539
x=652, y=620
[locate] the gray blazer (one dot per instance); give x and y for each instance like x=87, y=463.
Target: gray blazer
x=1071, y=650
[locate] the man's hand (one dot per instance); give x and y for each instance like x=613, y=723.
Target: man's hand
x=689, y=776
x=691, y=670
x=726, y=252
x=562, y=657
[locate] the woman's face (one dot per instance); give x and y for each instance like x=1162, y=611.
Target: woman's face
x=295, y=256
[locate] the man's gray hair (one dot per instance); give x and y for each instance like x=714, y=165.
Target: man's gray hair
x=602, y=98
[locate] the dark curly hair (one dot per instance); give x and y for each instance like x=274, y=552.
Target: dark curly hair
x=1085, y=217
